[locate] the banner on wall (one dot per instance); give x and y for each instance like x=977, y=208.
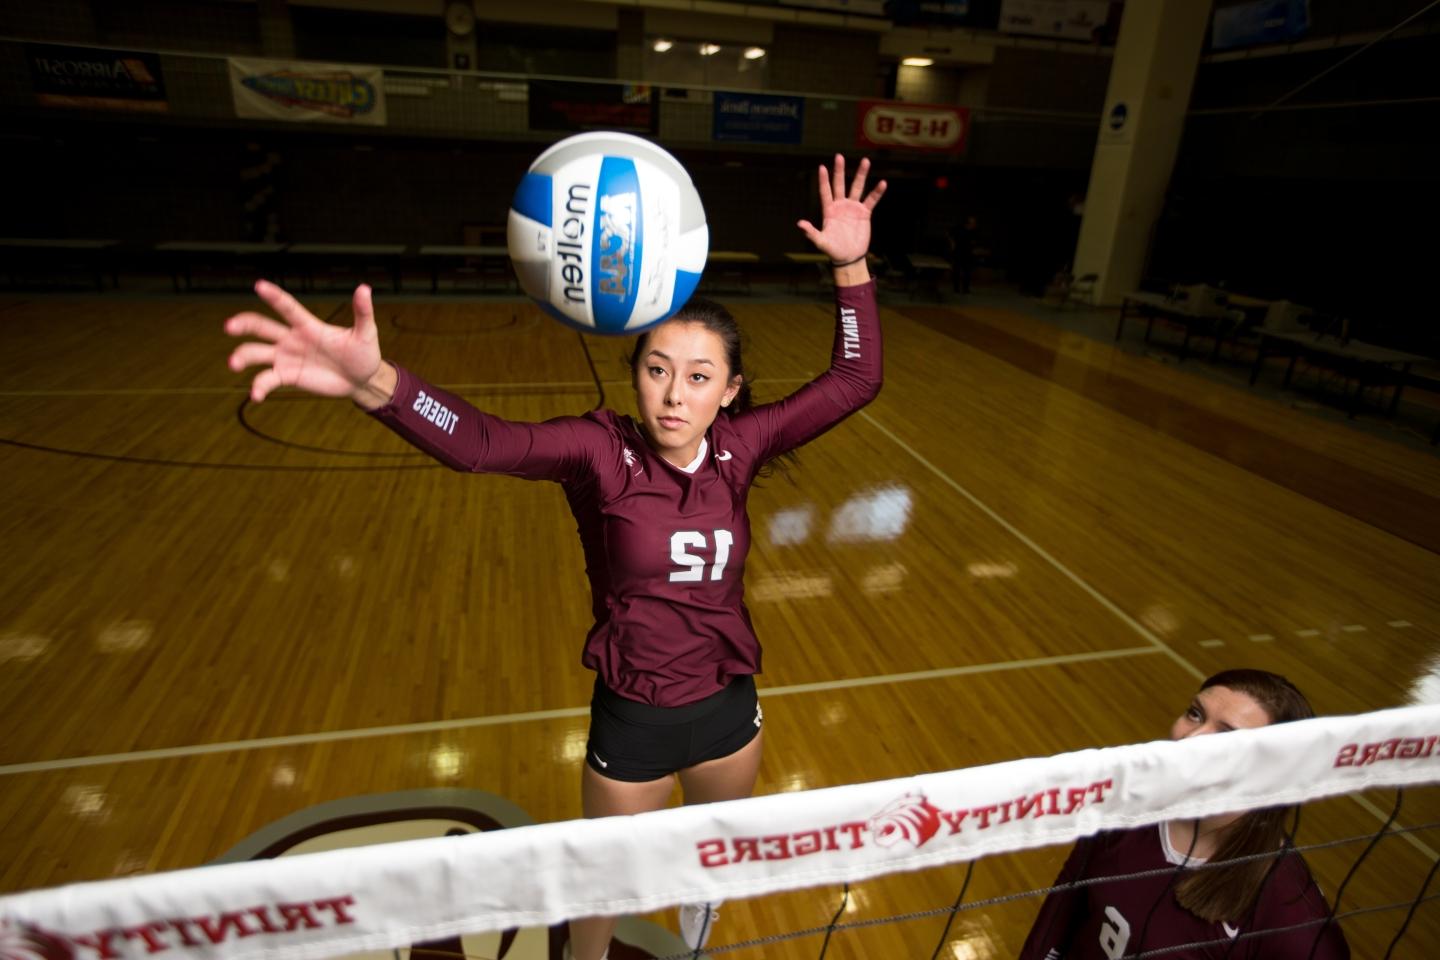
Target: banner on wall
x=561, y=105
x=864, y=8
x=912, y=126
x=90, y=79
x=309, y=92
x=1062, y=19
x=1262, y=21
x=907, y=13
x=758, y=118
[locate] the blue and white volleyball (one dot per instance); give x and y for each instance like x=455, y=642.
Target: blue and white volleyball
x=607, y=233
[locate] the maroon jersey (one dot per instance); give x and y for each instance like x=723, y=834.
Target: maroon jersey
x=1105, y=921
x=664, y=549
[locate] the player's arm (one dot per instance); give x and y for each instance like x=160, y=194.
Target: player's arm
x=328, y=360
x=377, y=391
x=856, y=368
x=857, y=362
x=1283, y=907
x=1062, y=912
x=854, y=378
x=1332, y=946
x=462, y=437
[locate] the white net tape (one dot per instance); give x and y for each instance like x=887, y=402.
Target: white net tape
x=389, y=896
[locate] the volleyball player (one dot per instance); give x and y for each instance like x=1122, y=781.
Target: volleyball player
x=1220, y=911
x=660, y=505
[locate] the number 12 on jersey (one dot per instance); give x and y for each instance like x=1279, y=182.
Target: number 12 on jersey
x=693, y=566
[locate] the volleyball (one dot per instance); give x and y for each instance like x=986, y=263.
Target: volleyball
x=607, y=233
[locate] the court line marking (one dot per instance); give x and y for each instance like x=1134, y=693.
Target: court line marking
x=434, y=726
x=1099, y=597
x=957, y=671
x=1040, y=551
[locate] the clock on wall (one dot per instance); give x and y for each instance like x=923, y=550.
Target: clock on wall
x=460, y=18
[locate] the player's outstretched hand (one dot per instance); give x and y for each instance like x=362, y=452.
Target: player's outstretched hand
x=304, y=351
x=844, y=234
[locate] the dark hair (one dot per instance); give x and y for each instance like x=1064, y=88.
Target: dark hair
x=1228, y=893
x=1281, y=700
x=715, y=318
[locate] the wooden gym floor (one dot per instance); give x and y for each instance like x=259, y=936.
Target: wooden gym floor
x=215, y=614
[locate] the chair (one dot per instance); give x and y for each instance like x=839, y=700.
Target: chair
x=487, y=269
x=1080, y=289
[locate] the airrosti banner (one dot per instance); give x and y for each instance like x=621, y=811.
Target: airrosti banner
x=96, y=79
x=308, y=92
x=337, y=902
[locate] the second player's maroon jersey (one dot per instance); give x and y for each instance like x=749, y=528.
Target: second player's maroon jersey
x=1119, y=918
x=664, y=549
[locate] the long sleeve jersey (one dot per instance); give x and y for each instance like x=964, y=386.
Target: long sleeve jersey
x=1124, y=917
x=664, y=549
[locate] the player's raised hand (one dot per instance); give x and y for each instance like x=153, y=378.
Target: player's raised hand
x=844, y=234
x=305, y=352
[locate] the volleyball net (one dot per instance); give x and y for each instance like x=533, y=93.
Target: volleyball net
x=393, y=895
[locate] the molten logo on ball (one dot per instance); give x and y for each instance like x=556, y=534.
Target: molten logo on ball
x=568, y=252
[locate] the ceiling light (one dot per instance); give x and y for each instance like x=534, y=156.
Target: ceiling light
x=709, y=49
x=754, y=53
x=918, y=62
x=660, y=46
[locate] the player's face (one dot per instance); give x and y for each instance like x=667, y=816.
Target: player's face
x=1216, y=710
x=681, y=381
